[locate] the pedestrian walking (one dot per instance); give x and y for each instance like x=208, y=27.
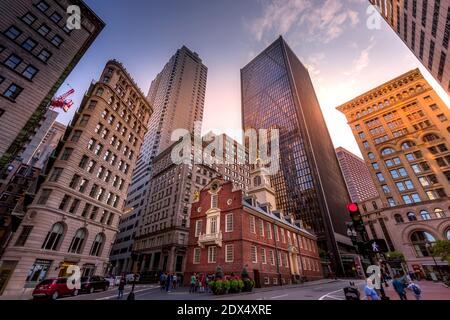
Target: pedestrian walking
x=399, y=286
x=370, y=292
x=175, y=281
x=121, y=287
x=192, y=283
x=162, y=281
x=414, y=287
x=169, y=281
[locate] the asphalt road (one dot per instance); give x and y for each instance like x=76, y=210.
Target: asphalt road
x=310, y=291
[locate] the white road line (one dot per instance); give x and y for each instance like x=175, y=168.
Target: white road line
x=335, y=298
x=276, y=297
x=326, y=295
x=125, y=293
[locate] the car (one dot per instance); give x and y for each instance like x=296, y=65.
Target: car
x=132, y=277
x=53, y=288
x=93, y=283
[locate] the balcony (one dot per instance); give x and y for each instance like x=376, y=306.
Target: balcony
x=210, y=239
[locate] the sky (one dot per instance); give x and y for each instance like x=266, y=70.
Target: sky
x=344, y=56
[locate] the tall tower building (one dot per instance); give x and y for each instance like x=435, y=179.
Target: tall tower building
x=403, y=131
x=424, y=26
x=38, y=51
x=277, y=92
x=359, y=182
x=74, y=217
x=177, y=95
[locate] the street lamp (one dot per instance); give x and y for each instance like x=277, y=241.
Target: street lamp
x=429, y=246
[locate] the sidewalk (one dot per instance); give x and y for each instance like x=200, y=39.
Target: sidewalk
x=430, y=291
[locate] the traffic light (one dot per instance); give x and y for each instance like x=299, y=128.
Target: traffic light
x=356, y=217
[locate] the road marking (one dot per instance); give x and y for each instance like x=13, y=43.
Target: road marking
x=276, y=297
x=136, y=291
x=335, y=298
x=326, y=295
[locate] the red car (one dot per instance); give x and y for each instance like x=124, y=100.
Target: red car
x=53, y=288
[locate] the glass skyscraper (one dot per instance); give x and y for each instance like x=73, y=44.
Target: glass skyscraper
x=277, y=92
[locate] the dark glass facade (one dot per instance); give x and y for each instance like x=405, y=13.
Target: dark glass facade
x=277, y=93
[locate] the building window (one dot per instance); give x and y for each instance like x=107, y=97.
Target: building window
x=44, y=55
x=252, y=224
x=44, y=30
x=84, y=120
x=56, y=173
x=271, y=257
x=66, y=154
x=398, y=218
x=54, y=236
x=22, y=239
x=29, y=72
x=212, y=254
x=13, y=33
x=97, y=246
x=269, y=231
x=55, y=17
x=229, y=253
x=229, y=222
x=13, y=61
x=391, y=202
x=12, y=92
x=420, y=241
x=64, y=202
x=254, y=254
x=411, y=216
x=263, y=256
x=275, y=231
x=197, y=252
x=57, y=40
x=261, y=228
x=29, y=44
x=439, y=213
x=28, y=18
x=74, y=182
x=43, y=6
x=38, y=271
x=214, y=200
x=425, y=215
x=76, y=246
x=45, y=194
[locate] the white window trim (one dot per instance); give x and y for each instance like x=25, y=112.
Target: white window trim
x=199, y=256
x=229, y=216
x=263, y=256
x=209, y=254
x=227, y=247
x=254, y=249
x=252, y=224
x=198, y=227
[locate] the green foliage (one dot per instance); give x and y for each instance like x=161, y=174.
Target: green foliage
x=395, y=255
x=244, y=273
x=249, y=284
x=219, y=287
x=219, y=272
x=441, y=248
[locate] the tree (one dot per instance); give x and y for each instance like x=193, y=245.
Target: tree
x=219, y=272
x=395, y=255
x=244, y=273
x=441, y=248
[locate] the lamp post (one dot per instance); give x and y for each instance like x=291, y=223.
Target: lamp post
x=429, y=246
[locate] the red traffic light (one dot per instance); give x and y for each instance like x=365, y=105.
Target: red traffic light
x=352, y=207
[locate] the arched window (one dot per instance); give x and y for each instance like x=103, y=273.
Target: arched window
x=257, y=181
x=371, y=156
x=387, y=151
x=398, y=218
x=430, y=137
x=411, y=216
x=439, y=213
x=97, y=246
x=374, y=205
x=419, y=240
x=448, y=234
x=54, y=236
x=407, y=144
x=425, y=215
x=76, y=246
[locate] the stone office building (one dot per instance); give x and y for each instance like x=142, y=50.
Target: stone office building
x=74, y=217
x=403, y=131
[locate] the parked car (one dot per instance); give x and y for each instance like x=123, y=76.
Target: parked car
x=53, y=288
x=93, y=283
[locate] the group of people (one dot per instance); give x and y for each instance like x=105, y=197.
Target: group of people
x=401, y=283
x=169, y=281
x=199, y=283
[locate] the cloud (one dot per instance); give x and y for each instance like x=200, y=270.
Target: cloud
x=363, y=60
x=310, y=20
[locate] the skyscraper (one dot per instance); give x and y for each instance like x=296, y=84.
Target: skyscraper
x=356, y=175
x=277, y=93
x=403, y=131
x=424, y=26
x=177, y=95
x=38, y=52
x=74, y=217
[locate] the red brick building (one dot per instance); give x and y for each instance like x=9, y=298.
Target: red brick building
x=231, y=229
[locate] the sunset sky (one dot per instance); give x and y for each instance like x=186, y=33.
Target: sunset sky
x=330, y=37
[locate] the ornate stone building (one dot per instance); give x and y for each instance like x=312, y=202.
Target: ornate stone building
x=403, y=130
x=74, y=217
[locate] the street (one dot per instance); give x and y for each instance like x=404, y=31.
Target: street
x=318, y=290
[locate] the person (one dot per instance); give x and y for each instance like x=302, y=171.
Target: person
x=399, y=286
x=192, y=284
x=352, y=292
x=121, y=286
x=162, y=280
x=369, y=291
x=175, y=281
x=169, y=280
x=414, y=287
